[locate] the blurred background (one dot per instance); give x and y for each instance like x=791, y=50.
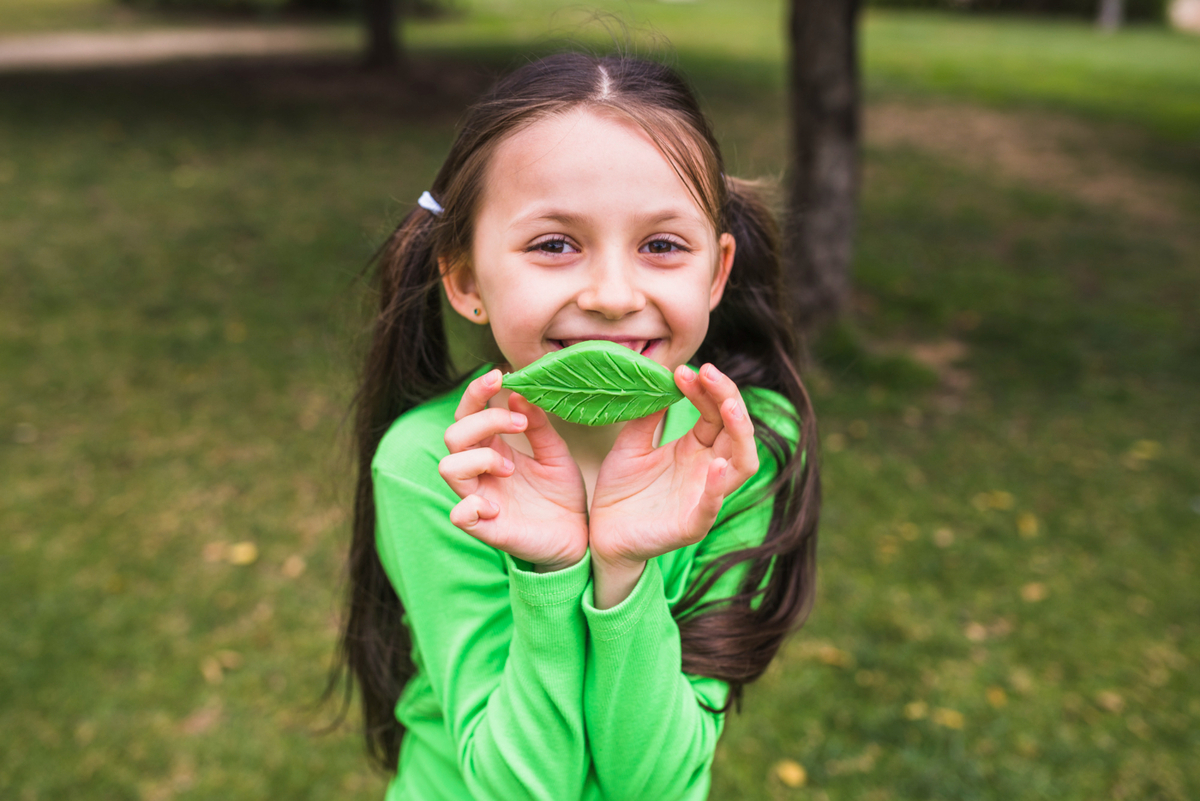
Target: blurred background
x=1006, y=370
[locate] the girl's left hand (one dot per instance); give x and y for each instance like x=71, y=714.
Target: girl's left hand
x=649, y=501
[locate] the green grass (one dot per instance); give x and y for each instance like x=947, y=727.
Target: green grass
x=178, y=249
x=1145, y=75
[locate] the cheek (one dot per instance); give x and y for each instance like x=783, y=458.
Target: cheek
x=687, y=313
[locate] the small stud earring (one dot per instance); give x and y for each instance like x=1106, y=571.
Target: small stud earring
x=477, y=312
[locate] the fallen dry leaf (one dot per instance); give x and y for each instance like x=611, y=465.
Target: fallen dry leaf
x=976, y=632
x=1110, y=701
x=242, y=553
x=1027, y=525
x=834, y=656
x=950, y=718
x=201, y=720
x=1146, y=450
x=212, y=670
x=229, y=660
x=1034, y=591
x=215, y=551
x=791, y=773
x=293, y=566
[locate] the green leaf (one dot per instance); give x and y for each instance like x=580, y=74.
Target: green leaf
x=596, y=383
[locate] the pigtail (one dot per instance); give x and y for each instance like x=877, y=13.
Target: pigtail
x=750, y=339
x=407, y=362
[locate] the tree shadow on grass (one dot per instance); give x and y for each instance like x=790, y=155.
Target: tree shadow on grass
x=438, y=86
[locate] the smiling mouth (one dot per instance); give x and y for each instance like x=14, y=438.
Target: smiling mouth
x=636, y=345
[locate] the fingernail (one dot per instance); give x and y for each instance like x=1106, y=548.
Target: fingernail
x=736, y=412
x=495, y=507
x=491, y=379
x=519, y=419
x=686, y=374
x=709, y=371
x=508, y=465
x=724, y=469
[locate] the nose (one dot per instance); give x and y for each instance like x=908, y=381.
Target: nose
x=612, y=288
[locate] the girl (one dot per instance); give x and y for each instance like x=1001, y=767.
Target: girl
x=545, y=610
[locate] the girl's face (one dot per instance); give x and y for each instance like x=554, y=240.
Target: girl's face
x=585, y=231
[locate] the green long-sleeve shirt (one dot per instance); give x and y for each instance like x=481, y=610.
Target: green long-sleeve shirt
x=523, y=688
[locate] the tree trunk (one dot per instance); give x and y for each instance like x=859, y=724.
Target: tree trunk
x=823, y=185
x=1111, y=14
x=384, y=50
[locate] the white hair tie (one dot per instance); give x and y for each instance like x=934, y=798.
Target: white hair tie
x=427, y=202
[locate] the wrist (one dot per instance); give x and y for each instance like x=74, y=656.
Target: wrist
x=616, y=563
x=552, y=564
x=553, y=567
x=613, y=580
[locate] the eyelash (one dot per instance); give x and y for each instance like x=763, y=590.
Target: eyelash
x=558, y=240
x=561, y=240
x=679, y=246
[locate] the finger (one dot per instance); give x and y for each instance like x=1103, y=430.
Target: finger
x=473, y=429
x=548, y=447
x=478, y=393
x=638, y=435
x=692, y=385
x=743, y=448
x=472, y=515
x=462, y=470
x=701, y=518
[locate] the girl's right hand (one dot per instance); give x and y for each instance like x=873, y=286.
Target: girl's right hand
x=531, y=507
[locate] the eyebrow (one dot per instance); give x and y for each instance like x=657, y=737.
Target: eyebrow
x=569, y=218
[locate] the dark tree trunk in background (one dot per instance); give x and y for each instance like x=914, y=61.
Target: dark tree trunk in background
x=823, y=185
x=1111, y=14
x=383, y=45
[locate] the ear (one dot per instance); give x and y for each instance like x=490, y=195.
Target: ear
x=462, y=291
x=727, y=248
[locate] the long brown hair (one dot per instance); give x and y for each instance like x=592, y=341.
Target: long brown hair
x=749, y=339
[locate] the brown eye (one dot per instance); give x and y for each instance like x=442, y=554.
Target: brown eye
x=555, y=247
x=661, y=246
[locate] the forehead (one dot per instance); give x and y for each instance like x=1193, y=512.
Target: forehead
x=586, y=162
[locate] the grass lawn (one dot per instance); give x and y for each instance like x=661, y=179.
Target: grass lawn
x=1009, y=546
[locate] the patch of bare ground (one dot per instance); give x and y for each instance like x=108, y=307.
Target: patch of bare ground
x=428, y=90
x=70, y=51
x=1043, y=150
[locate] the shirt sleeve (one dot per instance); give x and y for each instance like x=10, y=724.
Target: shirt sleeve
x=650, y=727
x=502, y=647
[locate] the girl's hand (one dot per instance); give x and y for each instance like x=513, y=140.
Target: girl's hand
x=649, y=501
x=533, y=508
